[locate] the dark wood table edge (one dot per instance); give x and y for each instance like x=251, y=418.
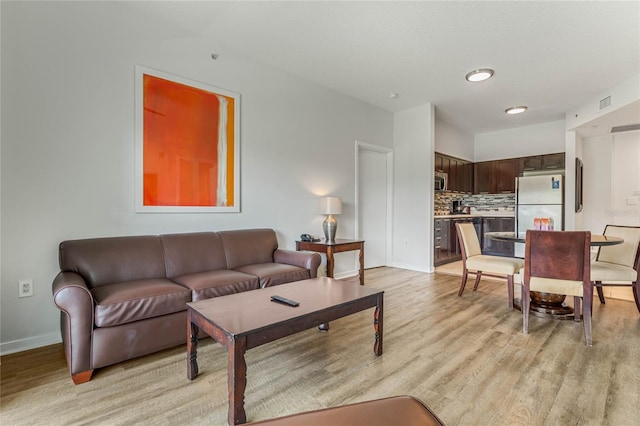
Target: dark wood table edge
x=237, y=345
x=509, y=237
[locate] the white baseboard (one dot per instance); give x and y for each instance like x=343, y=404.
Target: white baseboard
x=622, y=293
x=345, y=274
x=412, y=267
x=20, y=345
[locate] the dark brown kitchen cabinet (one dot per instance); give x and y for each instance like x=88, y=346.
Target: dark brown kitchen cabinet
x=459, y=172
x=438, y=162
x=467, y=183
x=446, y=248
x=553, y=161
x=531, y=163
x=440, y=241
x=497, y=224
x=484, y=177
x=506, y=171
x=452, y=184
x=542, y=162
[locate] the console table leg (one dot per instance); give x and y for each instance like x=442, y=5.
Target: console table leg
x=237, y=371
x=378, y=326
x=330, y=262
x=192, y=348
x=361, y=260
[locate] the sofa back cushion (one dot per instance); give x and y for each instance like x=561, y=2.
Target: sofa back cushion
x=112, y=260
x=191, y=253
x=248, y=246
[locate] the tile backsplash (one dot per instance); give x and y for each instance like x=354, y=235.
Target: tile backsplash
x=482, y=202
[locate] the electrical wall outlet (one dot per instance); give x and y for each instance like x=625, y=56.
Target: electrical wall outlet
x=25, y=288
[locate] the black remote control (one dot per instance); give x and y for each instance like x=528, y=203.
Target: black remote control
x=284, y=300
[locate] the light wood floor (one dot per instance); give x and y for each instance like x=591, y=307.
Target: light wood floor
x=465, y=357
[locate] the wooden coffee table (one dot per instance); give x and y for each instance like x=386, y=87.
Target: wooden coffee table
x=246, y=320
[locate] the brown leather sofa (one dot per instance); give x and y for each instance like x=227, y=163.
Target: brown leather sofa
x=397, y=411
x=124, y=297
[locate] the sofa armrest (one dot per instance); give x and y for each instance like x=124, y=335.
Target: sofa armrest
x=72, y=296
x=307, y=260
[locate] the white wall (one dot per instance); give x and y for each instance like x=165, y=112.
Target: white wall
x=413, y=188
x=453, y=141
x=625, y=186
x=611, y=175
x=544, y=138
x=68, y=141
x=621, y=95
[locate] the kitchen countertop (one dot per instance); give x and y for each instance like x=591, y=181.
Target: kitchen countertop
x=483, y=214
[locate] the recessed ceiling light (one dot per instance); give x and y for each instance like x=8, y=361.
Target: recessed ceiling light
x=516, y=109
x=479, y=75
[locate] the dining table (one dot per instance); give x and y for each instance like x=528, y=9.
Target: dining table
x=597, y=240
x=550, y=304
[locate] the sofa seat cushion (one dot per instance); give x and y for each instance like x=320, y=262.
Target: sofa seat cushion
x=271, y=274
x=130, y=301
x=205, y=285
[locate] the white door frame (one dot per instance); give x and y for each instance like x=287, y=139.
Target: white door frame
x=389, y=156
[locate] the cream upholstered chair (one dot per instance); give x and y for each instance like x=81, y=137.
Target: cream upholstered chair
x=558, y=262
x=474, y=262
x=618, y=265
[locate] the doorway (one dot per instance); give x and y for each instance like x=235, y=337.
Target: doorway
x=374, y=183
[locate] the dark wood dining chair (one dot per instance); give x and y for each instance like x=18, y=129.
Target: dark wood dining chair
x=474, y=262
x=558, y=262
x=618, y=265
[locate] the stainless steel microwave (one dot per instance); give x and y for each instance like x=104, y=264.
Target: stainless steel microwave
x=440, y=181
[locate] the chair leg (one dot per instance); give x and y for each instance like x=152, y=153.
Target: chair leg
x=526, y=301
x=636, y=293
x=586, y=317
x=576, y=309
x=465, y=275
x=598, y=286
x=510, y=291
x=478, y=276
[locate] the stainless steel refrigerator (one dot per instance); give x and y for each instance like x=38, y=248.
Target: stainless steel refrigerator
x=539, y=196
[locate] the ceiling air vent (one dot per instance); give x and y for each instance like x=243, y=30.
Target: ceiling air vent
x=627, y=128
x=605, y=102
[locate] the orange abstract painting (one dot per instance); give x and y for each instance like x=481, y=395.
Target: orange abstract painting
x=189, y=145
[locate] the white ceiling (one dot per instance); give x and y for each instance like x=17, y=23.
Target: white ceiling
x=551, y=56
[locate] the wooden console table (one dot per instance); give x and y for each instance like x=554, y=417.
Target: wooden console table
x=338, y=246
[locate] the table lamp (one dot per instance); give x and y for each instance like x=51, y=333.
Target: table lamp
x=330, y=206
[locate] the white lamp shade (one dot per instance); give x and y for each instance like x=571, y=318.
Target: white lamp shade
x=331, y=205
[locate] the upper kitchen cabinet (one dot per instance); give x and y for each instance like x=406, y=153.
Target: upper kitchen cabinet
x=553, y=161
x=484, y=177
x=468, y=178
x=507, y=171
x=459, y=172
x=542, y=162
x=496, y=177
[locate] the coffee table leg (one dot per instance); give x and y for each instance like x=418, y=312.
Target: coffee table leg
x=237, y=378
x=192, y=348
x=378, y=326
